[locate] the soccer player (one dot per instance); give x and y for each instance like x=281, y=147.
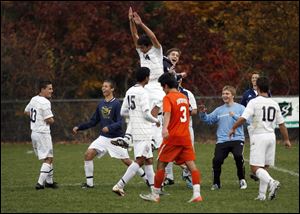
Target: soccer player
x=170, y=61
x=177, y=145
x=136, y=106
x=41, y=117
x=250, y=94
x=186, y=175
x=264, y=114
x=225, y=116
x=108, y=115
x=151, y=56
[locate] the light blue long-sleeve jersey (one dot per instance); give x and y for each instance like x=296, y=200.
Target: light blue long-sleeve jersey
x=225, y=122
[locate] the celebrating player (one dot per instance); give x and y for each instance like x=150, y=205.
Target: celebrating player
x=108, y=115
x=177, y=144
x=264, y=114
x=136, y=106
x=41, y=117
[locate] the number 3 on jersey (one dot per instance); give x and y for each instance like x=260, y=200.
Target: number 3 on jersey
x=183, y=118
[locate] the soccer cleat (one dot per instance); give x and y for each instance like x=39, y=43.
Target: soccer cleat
x=254, y=177
x=195, y=199
x=120, y=142
x=116, y=189
x=274, y=186
x=215, y=187
x=168, y=181
x=38, y=186
x=150, y=197
x=243, y=184
x=54, y=185
x=86, y=186
x=260, y=198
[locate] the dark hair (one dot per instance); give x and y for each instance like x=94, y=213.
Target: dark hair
x=263, y=84
x=142, y=73
x=111, y=82
x=43, y=84
x=144, y=40
x=173, y=49
x=169, y=80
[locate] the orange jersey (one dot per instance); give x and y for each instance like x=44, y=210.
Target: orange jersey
x=178, y=104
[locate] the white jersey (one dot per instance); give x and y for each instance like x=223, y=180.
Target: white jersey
x=264, y=113
x=136, y=102
x=153, y=60
x=40, y=109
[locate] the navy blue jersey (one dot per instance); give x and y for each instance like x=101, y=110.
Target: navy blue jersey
x=167, y=65
x=249, y=95
x=107, y=114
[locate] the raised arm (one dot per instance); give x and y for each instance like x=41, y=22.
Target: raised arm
x=133, y=29
x=137, y=19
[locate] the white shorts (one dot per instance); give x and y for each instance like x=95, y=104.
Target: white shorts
x=155, y=93
x=157, y=132
x=42, y=145
x=103, y=145
x=262, y=149
x=142, y=148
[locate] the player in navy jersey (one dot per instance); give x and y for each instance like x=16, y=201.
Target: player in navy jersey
x=108, y=115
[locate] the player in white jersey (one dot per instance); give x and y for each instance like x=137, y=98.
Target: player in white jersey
x=264, y=114
x=41, y=116
x=136, y=106
x=151, y=56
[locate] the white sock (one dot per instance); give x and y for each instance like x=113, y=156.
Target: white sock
x=150, y=174
x=196, y=190
x=263, y=175
x=89, y=172
x=44, y=173
x=169, y=171
x=263, y=187
x=130, y=173
x=142, y=173
x=49, y=178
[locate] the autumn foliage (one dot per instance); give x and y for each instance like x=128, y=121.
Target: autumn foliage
x=79, y=44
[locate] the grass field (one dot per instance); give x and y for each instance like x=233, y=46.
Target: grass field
x=20, y=170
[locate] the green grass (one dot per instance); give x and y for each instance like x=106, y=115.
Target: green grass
x=20, y=170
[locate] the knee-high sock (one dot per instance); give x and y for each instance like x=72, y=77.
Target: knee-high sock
x=89, y=172
x=159, y=178
x=196, y=177
x=49, y=178
x=44, y=173
x=169, y=171
x=130, y=172
x=263, y=175
x=150, y=174
x=142, y=173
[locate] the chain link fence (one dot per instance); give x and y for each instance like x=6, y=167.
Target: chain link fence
x=15, y=125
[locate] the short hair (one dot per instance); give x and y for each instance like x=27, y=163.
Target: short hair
x=142, y=73
x=111, y=82
x=263, y=84
x=173, y=49
x=230, y=88
x=144, y=40
x=168, y=79
x=44, y=83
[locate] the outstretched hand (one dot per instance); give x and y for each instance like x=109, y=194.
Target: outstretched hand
x=137, y=19
x=130, y=14
x=202, y=108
